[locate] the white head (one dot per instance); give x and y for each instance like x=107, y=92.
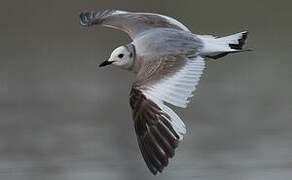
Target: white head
x=122, y=56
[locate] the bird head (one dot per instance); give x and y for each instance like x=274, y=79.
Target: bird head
x=122, y=57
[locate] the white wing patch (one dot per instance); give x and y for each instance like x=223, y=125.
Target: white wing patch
x=175, y=22
x=177, y=88
x=120, y=12
x=175, y=121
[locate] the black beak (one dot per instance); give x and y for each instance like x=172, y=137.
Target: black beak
x=105, y=63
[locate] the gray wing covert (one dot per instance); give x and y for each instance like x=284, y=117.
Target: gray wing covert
x=164, y=41
x=129, y=22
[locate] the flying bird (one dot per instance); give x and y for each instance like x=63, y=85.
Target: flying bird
x=168, y=60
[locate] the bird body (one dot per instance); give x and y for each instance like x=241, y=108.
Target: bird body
x=168, y=60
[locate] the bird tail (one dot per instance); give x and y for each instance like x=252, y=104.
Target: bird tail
x=218, y=47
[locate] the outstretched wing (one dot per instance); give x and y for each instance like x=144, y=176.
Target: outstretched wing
x=171, y=79
x=129, y=22
x=155, y=131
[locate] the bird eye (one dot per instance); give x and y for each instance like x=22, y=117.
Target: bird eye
x=121, y=55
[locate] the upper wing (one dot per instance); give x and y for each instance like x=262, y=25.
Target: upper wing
x=171, y=79
x=129, y=22
x=158, y=128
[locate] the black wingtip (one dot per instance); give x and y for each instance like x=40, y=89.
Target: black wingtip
x=94, y=17
x=85, y=18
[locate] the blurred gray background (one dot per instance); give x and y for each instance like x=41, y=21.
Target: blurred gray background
x=62, y=118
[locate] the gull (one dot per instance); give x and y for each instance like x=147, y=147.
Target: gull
x=168, y=60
